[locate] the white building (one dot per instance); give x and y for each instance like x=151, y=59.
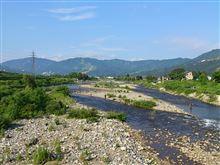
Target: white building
x=189, y=76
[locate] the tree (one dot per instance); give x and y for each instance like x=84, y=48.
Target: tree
x=29, y=81
x=79, y=76
x=139, y=78
x=151, y=78
x=177, y=74
x=216, y=76
x=203, y=78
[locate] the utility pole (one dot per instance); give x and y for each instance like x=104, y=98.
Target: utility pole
x=33, y=63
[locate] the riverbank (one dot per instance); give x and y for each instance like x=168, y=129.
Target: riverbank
x=201, y=97
x=118, y=92
x=106, y=141
x=208, y=92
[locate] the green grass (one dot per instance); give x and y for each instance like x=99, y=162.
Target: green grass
x=186, y=87
x=82, y=113
x=111, y=95
x=143, y=104
x=61, y=95
x=116, y=115
x=107, y=84
x=41, y=156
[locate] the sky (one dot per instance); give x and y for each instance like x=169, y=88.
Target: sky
x=127, y=30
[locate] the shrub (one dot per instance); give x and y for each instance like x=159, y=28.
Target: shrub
x=2, y=132
x=143, y=104
x=62, y=89
x=54, y=107
x=41, y=155
x=4, y=121
x=83, y=113
x=116, y=115
x=110, y=95
x=216, y=76
x=58, y=150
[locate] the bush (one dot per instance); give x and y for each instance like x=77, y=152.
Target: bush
x=110, y=95
x=27, y=103
x=62, y=89
x=83, y=113
x=58, y=150
x=41, y=155
x=56, y=108
x=143, y=104
x=216, y=76
x=4, y=122
x=116, y=115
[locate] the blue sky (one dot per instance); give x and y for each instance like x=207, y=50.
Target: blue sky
x=108, y=30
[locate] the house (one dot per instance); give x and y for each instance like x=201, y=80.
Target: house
x=189, y=76
x=162, y=78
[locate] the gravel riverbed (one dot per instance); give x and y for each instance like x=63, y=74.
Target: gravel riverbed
x=104, y=142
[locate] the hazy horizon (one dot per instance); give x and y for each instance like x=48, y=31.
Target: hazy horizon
x=108, y=30
x=100, y=59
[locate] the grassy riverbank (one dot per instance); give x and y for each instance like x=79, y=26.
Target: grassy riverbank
x=206, y=91
x=25, y=96
x=124, y=93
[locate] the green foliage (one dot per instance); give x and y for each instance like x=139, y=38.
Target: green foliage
x=107, y=84
x=83, y=113
x=111, y=95
x=151, y=78
x=85, y=156
x=56, y=108
x=58, y=150
x=116, y=115
x=139, y=78
x=216, y=76
x=143, y=104
x=19, y=157
x=29, y=81
x=106, y=160
x=79, y=76
x=177, y=74
x=188, y=87
x=2, y=132
x=41, y=156
x=4, y=122
x=203, y=78
x=62, y=89
x=27, y=103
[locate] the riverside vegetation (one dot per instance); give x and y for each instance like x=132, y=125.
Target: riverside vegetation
x=37, y=121
x=200, y=87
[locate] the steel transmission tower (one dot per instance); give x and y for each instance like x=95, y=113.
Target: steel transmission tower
x=33, y=63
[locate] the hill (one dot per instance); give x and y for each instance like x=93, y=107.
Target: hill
x=208, y=62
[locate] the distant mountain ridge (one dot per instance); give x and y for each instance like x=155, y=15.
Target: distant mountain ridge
x=207, y=62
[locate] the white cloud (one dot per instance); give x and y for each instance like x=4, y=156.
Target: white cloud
x=82, y=16
x=74, y=14
x=58, y=57
x=71, y=10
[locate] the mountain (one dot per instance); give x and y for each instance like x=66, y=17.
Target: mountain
x=91, y=66
x=207, y=62
x=25, y=65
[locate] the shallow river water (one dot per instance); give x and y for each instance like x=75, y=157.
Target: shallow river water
x=152, y=122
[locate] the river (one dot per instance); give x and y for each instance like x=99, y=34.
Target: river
x=156, y=124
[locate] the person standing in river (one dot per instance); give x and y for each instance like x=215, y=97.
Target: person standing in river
x=190, y=106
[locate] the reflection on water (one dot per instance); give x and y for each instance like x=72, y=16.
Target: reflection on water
x=200, y=109
x=150, y=121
